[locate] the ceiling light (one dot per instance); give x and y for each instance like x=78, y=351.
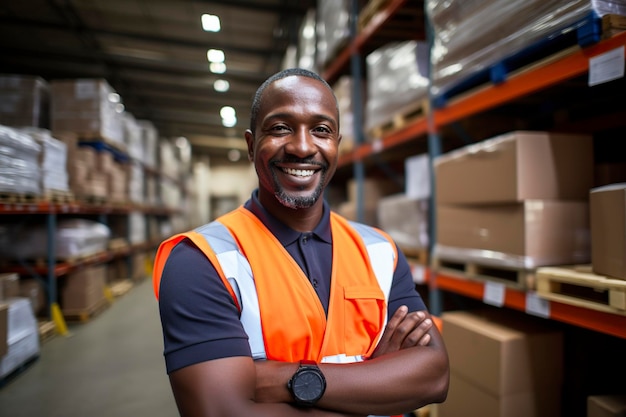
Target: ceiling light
x=229, y=121
x=210, y=23
x=227, y=112
x=217, y=67
x=215, y=55
x=221, y=85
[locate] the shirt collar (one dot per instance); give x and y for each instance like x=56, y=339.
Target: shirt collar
x=284, y=233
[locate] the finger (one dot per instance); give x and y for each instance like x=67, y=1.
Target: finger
x=410, y=323
x=416, y=335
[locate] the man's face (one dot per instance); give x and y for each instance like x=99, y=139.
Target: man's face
x=296, y=140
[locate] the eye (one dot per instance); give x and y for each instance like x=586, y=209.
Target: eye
x=322, y=129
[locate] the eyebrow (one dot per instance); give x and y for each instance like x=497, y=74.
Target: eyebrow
x=286, y=115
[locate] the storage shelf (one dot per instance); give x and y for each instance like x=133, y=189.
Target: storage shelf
x=569, y=64
x=80, y=208
x=608, y=323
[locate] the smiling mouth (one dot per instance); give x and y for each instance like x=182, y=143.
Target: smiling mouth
x=299, y=172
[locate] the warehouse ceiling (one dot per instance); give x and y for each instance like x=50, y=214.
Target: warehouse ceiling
x=154, y=54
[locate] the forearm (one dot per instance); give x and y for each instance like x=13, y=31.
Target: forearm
x=393, y=383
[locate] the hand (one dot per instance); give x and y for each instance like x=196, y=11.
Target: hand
x=404, y=330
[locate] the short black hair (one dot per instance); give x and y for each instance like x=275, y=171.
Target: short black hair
x=256, y=102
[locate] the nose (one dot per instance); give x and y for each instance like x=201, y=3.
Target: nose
x=301, y=144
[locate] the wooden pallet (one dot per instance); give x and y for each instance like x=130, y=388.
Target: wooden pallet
x=121, y=287
x=419, y=256
x=47, y=331
x=578, y=285
x=401, y=119
x=96, y=200
x=21, y=198
x=516, y=278
x=612, y=24
x=58, y=196
x=370, y=10
x=86, y=314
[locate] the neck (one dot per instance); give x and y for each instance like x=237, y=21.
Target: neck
x=301, y=220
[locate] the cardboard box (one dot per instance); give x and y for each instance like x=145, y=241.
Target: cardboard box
x=608, y=230
x=606, y=406
x=517, y=166
x=84, y=288
x=502, y=365
x=466, y=399
x=405, y=219
x=528, y=234
x=9, y=285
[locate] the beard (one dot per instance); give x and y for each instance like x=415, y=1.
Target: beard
x=296, y=201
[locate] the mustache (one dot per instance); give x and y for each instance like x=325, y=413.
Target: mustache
x=293, y=160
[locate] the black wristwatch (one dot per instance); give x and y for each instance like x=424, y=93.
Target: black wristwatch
x=307, y=385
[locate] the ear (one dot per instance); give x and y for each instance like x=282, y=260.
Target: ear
x=250, y=142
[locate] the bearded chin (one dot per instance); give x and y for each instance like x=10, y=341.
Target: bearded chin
x=299, y=202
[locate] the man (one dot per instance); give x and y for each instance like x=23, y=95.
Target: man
x=283, y=308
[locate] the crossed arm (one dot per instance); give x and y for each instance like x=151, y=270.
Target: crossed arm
x=409, y=369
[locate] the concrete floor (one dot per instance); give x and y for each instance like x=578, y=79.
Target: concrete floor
x=109, y=366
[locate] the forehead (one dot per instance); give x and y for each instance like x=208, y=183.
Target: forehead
x=298, y=90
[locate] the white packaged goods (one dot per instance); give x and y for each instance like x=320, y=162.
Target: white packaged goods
x=22, y=335
x=332, y=29
x=19, y=162
x=397, y=77
x=74, y=238
x=471, y=35
x=53, y=160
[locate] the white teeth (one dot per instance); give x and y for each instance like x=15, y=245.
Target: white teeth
x=299, y=172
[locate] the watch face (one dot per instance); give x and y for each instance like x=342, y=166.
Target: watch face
x=308, y=386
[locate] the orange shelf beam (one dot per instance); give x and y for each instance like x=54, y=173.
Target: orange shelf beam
x=339, y=64
x=599, y=321
x=526, y=82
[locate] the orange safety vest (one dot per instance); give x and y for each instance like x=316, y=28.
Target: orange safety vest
x=279, y=309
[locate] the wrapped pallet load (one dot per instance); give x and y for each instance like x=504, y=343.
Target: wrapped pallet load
x=19, y=163
x=397, y=82
x=470, y=36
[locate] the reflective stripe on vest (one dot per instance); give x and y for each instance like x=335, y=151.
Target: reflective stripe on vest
x=237, y=270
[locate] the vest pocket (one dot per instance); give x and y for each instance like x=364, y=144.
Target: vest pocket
x=364, y=312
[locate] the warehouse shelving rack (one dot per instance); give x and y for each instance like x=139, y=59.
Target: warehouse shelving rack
x=568, y=65
x=48, y=272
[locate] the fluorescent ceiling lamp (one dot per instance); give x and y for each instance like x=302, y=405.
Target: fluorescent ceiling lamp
x=217, y=67
x=229, y=122
x=221, y=86
x=215, y=55
x=210, y=23
x=227, y=112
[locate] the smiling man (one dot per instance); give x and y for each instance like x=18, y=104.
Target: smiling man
x=284, y=308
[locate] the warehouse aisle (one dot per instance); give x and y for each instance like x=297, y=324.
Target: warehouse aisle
x=109, y=366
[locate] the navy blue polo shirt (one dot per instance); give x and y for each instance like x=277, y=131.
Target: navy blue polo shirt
x=199, y=317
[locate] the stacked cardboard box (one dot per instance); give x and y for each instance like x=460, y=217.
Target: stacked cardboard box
x=88, y=107
x=373, y=190
x=520, y=200
x=608, y=230
x=501, y=365
x=84, y=289
x=24, y=101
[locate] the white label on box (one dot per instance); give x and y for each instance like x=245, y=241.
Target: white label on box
x=417, y=169
x=537, y=306
x=85, y=89
x=494, y=294
x=606, y=67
